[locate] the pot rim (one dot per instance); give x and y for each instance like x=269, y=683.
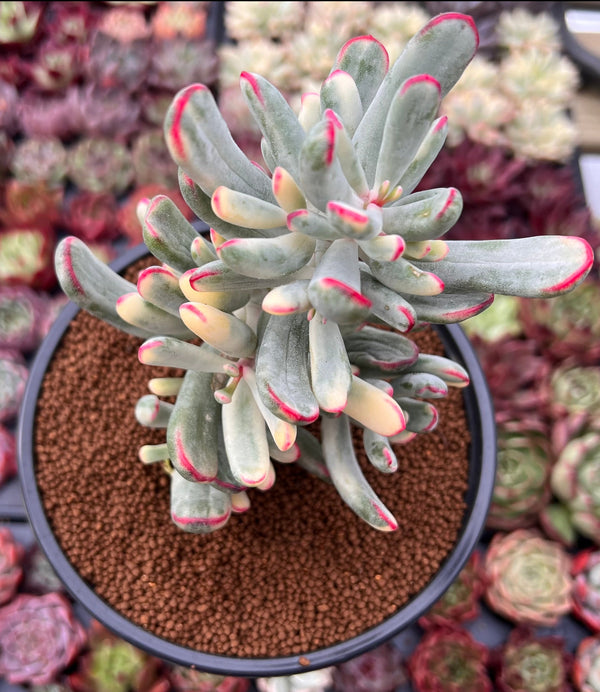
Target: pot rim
x=482, y=468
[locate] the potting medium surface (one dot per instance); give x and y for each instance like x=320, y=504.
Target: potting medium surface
x=298, y=572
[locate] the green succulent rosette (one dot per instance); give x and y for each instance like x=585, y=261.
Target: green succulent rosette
x=528, y=578
x=529, y=662
x=575, y=481
x=521, y=487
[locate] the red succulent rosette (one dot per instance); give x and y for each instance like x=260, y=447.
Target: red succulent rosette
x=460, y=603
x=11, y=568
x=91, y=216
x=586, y=588
x=39, y=637
x=585, y=667
x=8, y=455
x=528, y=662
x=449, y=659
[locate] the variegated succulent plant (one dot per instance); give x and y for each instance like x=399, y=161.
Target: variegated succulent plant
x=312, y=277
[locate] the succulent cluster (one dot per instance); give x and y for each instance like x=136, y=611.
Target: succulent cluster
x=312, y=276
x=84, y=88
x=516, y=97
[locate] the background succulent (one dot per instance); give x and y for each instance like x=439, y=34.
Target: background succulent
x=379, y=670
x=11, y=565
x=449, y=658
x=531, y=662
x=461, y=601
x=586, y=669
x=528, y=578
x=39, y=637
x=586, y=588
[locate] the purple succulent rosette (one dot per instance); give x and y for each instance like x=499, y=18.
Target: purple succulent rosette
x=11, y=568
x=378, y=670
x=39, y=575
x=8, y=455
x=39, y=637
x=529, y=662
x=586, y=588
x=449, y=659
x=528, y=578
x=460, y=602
x=586, y=669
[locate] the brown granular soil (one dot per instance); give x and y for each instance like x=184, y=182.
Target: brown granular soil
x=296, y=573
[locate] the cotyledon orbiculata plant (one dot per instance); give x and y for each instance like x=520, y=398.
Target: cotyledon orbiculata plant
x=312, y=275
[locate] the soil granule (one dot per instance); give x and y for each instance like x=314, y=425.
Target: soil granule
x=297, y=572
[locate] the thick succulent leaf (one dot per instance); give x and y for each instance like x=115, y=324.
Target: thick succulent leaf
x=165, y=386
x=192, y=433
x=282, y=432
x=173, y=353
x=194, y=152
x=168, y=234
x=228, y=301
x=374, y=409
x=217, y=276
x=244, y=210
x=311, y=223
x=268, y=258
x=152, y=412
x=424, y=215
x=442, y=48
x=267, y=154
x=287, y=298
x=387, y=304
x=310, y=110
x=426, y=250
x=135, y=310
x=348, y=159
x=379, y=349
x=245, y=438
x=410, y=116
x=221, y=330
x=311, y=455
x=354, y=222
x=426, y=154
x=282, y=370
x=366, y=60
x=330, y=372
x=406, y=277
x=385, y=248
x=91, y=284
x=276, y=119
x=347, y=476
x=340, y=94
x=152, y=454
x=225, y=480
x=195, y=108
x=287, y=193
x=452, y=373
x=288, y=456
x=198, y=507
x=421, y=415
x=448, y=308
x=320, y=173
x=160, y=286
x=334, y=289
x=379, y=451
x=422, y=385
x=202, y=251
x=200, y=203
x=537, y=267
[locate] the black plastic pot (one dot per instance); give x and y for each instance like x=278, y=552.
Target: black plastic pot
x=480, y=485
